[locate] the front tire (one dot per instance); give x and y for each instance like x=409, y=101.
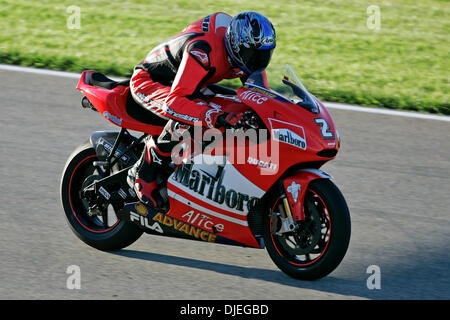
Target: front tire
x=319, y=245
x=94, y=231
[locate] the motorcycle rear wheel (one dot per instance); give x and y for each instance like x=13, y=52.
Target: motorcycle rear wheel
x=104, y=233
x=320, y=243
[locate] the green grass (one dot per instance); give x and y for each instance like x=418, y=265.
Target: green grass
x=403, y=65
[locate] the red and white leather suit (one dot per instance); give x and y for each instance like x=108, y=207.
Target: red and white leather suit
x=169, y=80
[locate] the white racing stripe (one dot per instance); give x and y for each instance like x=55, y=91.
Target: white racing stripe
x=331, y=105
x=205, y=210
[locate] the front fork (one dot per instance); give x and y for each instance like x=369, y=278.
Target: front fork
x=291, y=211
x=285, y=218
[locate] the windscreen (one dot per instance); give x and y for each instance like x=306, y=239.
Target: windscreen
x=291, y=80
x=300, y=95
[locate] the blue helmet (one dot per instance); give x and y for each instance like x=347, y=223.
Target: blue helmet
x=250, y=40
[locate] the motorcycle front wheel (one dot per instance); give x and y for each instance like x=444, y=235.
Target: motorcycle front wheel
x=320, y=242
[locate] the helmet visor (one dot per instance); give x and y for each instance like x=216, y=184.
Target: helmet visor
x=255, y=59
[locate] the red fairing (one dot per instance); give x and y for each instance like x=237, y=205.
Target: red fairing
x=297, y=137
x=295, y=187
x=112, y=105
x=283, y=117
x=210, y=218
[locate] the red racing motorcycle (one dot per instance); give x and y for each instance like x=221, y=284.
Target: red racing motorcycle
x=278, y=200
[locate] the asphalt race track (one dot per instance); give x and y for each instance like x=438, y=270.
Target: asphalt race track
x=393, y=171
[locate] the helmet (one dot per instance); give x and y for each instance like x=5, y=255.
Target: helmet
x=250, y=40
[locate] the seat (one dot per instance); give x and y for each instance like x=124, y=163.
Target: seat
x=100, y=80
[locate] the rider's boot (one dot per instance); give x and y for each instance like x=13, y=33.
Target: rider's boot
x=142, y=176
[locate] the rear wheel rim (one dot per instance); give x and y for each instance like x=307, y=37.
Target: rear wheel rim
x=82, y=171
x=308, y=244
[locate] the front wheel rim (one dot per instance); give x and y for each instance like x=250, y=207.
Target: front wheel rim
x=308, y=244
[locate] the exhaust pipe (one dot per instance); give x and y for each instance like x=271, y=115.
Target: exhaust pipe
x=85, y=103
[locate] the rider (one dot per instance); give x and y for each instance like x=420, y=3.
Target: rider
x=171, y=79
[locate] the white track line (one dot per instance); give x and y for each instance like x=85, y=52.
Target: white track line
x=408, y=114
x=63, y=74
x=73, y=75
x=331, y=105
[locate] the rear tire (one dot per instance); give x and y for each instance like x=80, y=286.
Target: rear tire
x=317, y=248
x=91, y=230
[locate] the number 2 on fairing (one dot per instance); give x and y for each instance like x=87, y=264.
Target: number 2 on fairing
x=324, y=128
